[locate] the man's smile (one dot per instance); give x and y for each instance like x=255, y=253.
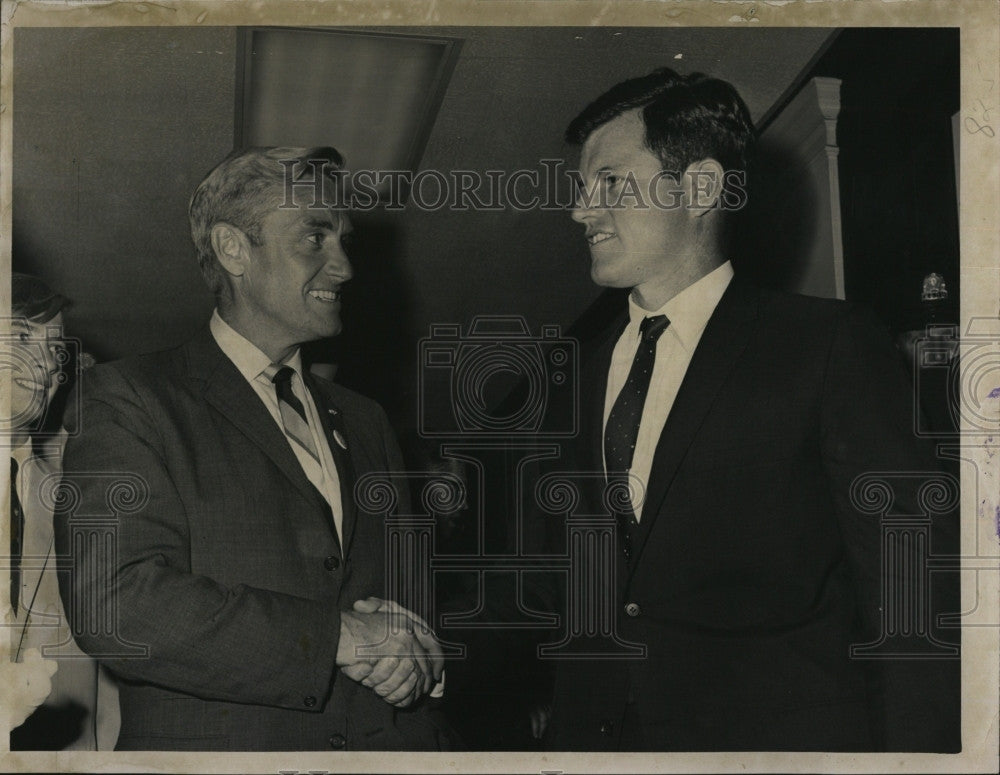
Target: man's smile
x=598, y=237
x=325, y=296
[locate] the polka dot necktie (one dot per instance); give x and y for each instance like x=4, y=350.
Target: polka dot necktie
x=622, y=429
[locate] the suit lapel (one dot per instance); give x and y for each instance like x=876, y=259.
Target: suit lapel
x=335, y=432
x=724, y=339
x=232, y=396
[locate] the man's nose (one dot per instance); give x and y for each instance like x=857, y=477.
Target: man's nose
x=581, y=211
x=338, y=263
x=582, y=207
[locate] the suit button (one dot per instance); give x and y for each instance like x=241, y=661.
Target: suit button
x=632, y=609
x=331, y=563
x=607, y=727
x=309, y=702
x=338, y=741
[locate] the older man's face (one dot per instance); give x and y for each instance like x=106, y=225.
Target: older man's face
x=293, y=281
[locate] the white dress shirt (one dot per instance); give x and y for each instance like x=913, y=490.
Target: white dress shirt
x=688, y=313
x=251, y=363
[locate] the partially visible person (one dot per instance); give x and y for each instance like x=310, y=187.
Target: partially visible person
x=42, y=651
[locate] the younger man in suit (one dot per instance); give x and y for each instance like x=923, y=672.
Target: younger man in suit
x=244, y=580
x=747, y=419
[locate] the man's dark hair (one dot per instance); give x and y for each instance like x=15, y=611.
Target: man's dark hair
x=33, y=299
x=688, y=118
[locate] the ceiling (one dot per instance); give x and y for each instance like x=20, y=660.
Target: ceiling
x=543, y=76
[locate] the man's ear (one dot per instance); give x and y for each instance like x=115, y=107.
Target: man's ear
x=232, y=247
x=703, y=186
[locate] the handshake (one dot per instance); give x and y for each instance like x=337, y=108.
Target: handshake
x=390, y=650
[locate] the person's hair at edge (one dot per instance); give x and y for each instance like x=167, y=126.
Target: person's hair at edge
x=32, y=298
x=243, y=189
x=687, y=117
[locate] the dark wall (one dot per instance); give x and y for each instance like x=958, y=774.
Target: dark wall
x=897, y=173
x=899, y=90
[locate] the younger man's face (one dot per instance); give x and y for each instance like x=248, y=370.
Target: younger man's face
x=638, y=240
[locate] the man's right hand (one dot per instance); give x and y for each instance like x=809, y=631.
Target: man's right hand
x=26, y=685
x=400, y=668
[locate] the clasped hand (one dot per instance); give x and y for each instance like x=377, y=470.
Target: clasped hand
x=407, y=659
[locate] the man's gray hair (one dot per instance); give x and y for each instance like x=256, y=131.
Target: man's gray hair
x=241, y=191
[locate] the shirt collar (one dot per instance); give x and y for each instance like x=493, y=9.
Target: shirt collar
x=245, y=355
x=688, y=311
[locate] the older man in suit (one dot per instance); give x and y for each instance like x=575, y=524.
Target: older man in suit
x=743, y=417
x=244, y=595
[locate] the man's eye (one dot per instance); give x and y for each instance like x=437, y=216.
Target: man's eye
x=611, y=181
x=24, y=336
x=317, y=238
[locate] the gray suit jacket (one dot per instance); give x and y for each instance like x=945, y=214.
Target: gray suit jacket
x=227, y=567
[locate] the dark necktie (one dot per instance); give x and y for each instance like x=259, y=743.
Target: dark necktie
x=16, y=537
x=622, y=429
x=293, y=414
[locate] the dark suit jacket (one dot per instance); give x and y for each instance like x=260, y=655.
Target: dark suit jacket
x=753, y=570
x=231, y=572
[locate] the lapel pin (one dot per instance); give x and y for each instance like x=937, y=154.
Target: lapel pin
x=332, y=411
x=339, y=438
